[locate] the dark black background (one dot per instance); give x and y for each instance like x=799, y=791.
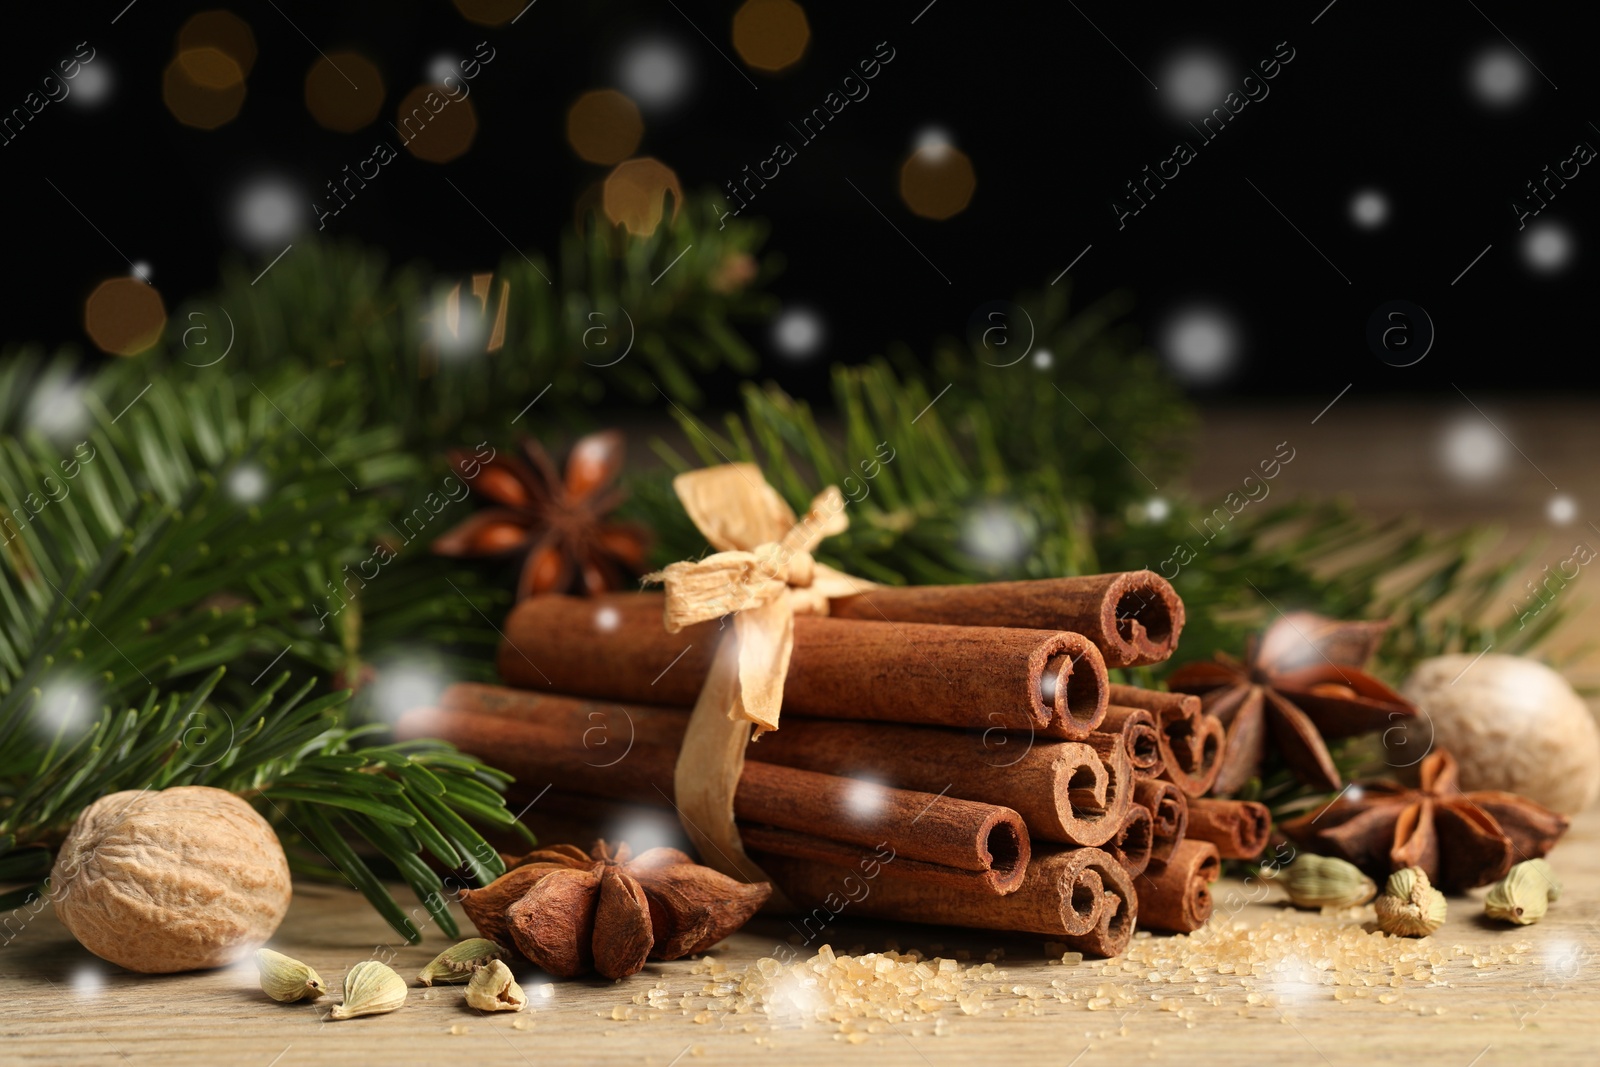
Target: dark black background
x=1053, y=117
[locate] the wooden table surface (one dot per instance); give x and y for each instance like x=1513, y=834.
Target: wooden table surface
x=63, y=1006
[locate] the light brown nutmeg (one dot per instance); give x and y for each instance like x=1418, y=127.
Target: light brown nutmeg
x=179, y=879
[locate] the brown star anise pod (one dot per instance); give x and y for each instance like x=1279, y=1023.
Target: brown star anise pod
x=1299, y=684
x=560, y=524
x=571, y=911
x=1460, y=839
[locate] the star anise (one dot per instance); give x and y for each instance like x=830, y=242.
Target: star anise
x=1460, y=839
x=571, y=911
x=1299, y=684
x=559, y=524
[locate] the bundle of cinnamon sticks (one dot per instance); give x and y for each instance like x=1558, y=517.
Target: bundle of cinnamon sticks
x=953, y=754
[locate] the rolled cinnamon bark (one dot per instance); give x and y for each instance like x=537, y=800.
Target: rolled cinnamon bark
x=1139, y=736
x=1064, y=791
x=1131, y=846
x=1081, y=896
x=1238, y=828
x=1178, y=898
x=1191, y=741
x=1169, y=812
x=933, y=830
x=976, y=677
x=992, y=884
x=1134, y=617
x=1154, y=701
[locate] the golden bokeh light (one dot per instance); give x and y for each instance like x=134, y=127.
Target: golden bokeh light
x=435, y=127
x=490, y=12
x=203, y=87
x=344, y=91
x=224, y=31
x=770, y=34
x=937, y=181
x=124, y=316
x=634, y=192
x=603, y=126
x=211, y=68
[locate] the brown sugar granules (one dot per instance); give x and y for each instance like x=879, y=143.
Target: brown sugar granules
x=1295, y=959
x=1226, y=968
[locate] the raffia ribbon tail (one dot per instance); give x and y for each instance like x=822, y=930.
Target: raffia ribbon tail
x=761, y=575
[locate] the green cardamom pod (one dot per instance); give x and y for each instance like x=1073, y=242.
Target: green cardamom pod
x=286, y=979
x=1410, y=906
x=1326, y=882
x=1524, y=894
x=370, y=988
x=460, y=961
x=494, y=989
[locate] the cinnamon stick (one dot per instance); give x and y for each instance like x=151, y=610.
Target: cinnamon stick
x=1131, y=846
x=1178, y=897
x=1134, y=618
x=992, y=884
x=1169, y=812
x=1137, y=728
x=979, y=677
x=932, y=830
x=1082, y=896
x=1064, y=791
x=1190, y=740
x=1238, y=828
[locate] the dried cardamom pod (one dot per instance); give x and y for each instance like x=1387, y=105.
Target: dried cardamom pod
x=286, y=979
x=1326, y=882
x=370, y=988
x=494, y=989
x=1410, y=906
x=1524, y=894
x=460, y=961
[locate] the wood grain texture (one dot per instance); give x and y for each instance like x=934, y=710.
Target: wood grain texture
x=62, y=1006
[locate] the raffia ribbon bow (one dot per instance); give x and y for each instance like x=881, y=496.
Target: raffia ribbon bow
x=762, y=575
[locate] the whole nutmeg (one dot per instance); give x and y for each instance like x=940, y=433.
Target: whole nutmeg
x=1512, y=724
x=176, y=880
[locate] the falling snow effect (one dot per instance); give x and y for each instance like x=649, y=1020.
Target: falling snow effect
x=1500, y=78
x=401, y=688
x=88, y=981
x=92, y=87
x=56, y=408
x=646, y=830
x=1547, y=247
x=441, y=67
x=1471, y=451
x=655, y=73
x=1369, y=209
x=1201, y=345
x=1193, y=83
x=994, y=534
x=798, y=332
x=269, y=212
x=933, y=140
x=66, y=707
x=1562, y=509
x=248, y=484
x=865, y=799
